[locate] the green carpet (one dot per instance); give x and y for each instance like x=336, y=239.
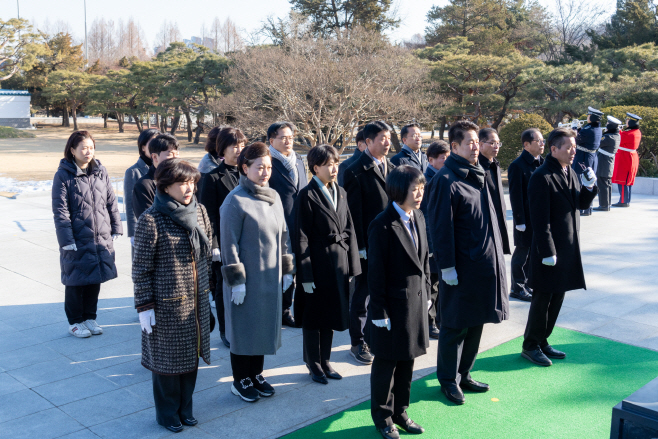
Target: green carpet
x=571, y=399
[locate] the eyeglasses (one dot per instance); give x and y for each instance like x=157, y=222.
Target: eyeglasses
x=498, y=144
x=541, y=141
x=284, y=138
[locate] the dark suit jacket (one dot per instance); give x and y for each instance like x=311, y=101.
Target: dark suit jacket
x=346, y=164
x=144, y=193
x=554, y=212
x=495, y=183
x=518, y=175
x=281, y=182
x=366, y=194
x=399, y=285
x=405, y=157
x=429, y=186
x=214, y=187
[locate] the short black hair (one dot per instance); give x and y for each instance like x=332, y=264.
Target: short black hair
x=74, y=140
x=371, y=130
x=458, y=130
x=485, y=133
x=529, y=135
x=320, y=156
x=163, y=143
x=399, y=181
x=252, y=153
x=437, y=148
x=173, y=171
x=557, y=136
x=226, y=137
x=143, y=139
x=211, y=140
x=405, y=129
x=273, y=130
x=359, y=137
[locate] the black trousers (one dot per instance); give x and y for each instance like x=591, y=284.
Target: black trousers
x=458, y=349
x=81, y=303
x=317, y=349
x=544, y=310
x=173, y=397
x=287, y=299
x=359, y=305
x=218, y=296
x=520, y=266
x=434, y=312
x=624, y=193
x=605, y=191
x=246, y=366
x=390, y=390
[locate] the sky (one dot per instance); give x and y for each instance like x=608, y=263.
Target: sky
x=190, y=15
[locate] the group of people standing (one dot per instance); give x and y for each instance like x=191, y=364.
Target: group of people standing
x=423, y=235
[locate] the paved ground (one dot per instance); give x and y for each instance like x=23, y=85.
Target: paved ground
x=54, y=385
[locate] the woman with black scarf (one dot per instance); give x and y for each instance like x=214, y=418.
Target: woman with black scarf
x=171, y=269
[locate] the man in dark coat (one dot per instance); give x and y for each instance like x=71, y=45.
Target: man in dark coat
x=555, y=196
x=288, y=178
x=365, y=184
x=606, y=163
x=161, y=148
x=466, y=238
x=518, y=175
x=588, y=142
x=437, y=153
x=360, y=147
x=411, y=154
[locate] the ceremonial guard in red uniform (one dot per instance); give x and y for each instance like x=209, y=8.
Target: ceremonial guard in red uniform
x=627, y=160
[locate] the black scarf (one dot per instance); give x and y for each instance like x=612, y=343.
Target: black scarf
x=186, y=217
x=461, y=166
x=146, y=159
x=263, y=193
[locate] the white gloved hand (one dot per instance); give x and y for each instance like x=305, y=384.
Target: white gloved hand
x=216, y=255
x=383, y=323
x=308, y=287
x=115, y=237
x=429, y=304
x=287, y=281
x=588, y=178
x=449, y=276
x=520, y=227
x=238, y=294
x=362, y=254
x=70, y=247
x=550, y=261
x=147, y=320
x=132, y=241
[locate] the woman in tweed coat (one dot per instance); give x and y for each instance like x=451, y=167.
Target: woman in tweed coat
x=170, y=273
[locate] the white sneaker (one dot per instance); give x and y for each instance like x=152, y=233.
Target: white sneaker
x=79, y=330
x=93, y=327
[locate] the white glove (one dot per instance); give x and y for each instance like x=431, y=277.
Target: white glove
x=575, y=125
x=308, y=287
x=216, y=255
x=520, y=227
x=449, y=276
x=114, y=237
x=383, y=323
x=147, y=320
x=362, y=254
x=287, y=281
x=429, y=304
x=132, y=241
x=550, y=261
x=70, y=247
x=588, y=178
x=238, y=294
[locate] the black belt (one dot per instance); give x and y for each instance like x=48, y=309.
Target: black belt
x=340, y=239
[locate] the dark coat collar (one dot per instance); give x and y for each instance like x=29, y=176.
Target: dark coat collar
x=368, y=163
x=403, y=235
x=564, y=183
x=316, y=194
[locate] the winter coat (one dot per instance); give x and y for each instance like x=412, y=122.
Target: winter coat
x=256, y=252
x=588, y=141
x=281, y=182
x=495, y=183
x=213, y=189
x=144, y=193
x=429, y=186
x=399, y=285
x=168, y=280
x=327, y=254
x=406, y=157
x=606, y=154
x=554, y=211
x=346, y=164
x=133, y=174
x=465, y=235
x=626, y=160
x=518, y=175
x=208, y=163
x=86, y=214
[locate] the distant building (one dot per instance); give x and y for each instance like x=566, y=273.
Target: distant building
x=207, y=42
x=15, y=108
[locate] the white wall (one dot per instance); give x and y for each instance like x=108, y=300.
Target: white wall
x=14, y=107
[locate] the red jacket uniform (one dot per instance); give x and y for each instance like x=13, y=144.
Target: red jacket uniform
x=626, y=159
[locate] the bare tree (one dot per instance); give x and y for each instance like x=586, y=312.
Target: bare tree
x=131, y=41
x=102, y=43
x=168, y=33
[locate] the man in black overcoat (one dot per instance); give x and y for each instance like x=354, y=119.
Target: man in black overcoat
x=412, y=153
x=365, y=184
x=467, y=240
x=606, y=163
x=288, y=178
x=555, y=195
x=518, y=175
x=360, y=147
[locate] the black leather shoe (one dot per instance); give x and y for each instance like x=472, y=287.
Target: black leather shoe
x=330, y=373
x=474, y=386
x=289, y=320
x=409, y=426
x=585, y=213
x=322, y=379
x=521, y=295
x=536, y=356
x=620, y=205
x=602, y=209
x=190, y=422
x=175, y=428
x=434, y=332
x=225, y=340
x=453, y=393
x=390, y=432
x=551, y=352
